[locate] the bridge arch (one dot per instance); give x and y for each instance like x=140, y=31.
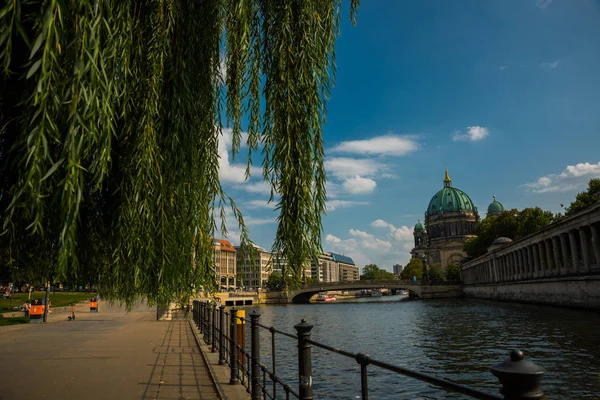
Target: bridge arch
x=305, y=292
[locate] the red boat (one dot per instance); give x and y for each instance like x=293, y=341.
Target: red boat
x=324, y=297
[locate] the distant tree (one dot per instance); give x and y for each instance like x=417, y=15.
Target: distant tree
x=532, y=220
x=453, y=272
x=513, y=224
x=369, y=272
x=372, y=271
x=585, y=199
x=413, y=268
x=435, y=273
x=275, y=282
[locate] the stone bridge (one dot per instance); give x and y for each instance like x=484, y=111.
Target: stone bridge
x=416, y=289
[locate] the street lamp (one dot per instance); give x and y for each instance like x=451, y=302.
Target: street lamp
x=425, y=278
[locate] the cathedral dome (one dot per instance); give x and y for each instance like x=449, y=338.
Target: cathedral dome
x=495, y=207
x=450, y=199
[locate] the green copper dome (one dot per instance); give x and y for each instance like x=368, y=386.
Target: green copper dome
x=419, y=226
x=495, y=207
x=450, y=199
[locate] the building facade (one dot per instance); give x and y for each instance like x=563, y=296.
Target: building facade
x=253, y=270
x=225, y=264
x=332, y=267
x=397, y=269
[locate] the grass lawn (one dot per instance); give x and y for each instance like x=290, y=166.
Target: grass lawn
x=13, y=321
x=58, y=299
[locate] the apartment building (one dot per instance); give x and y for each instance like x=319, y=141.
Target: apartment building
x=253, y=269
x=333, y=267
x=225, y=264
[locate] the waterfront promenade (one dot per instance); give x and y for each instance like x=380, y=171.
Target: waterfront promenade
x=108, y=355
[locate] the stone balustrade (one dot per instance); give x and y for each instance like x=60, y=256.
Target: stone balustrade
x=570, y=247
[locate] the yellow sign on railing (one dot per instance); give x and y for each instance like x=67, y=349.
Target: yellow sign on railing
x=241, y=314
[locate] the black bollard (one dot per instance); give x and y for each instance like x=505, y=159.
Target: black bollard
x=221, y=335
x=304, y=361
x=520, y=378
x=233, y=350
x=255, y=356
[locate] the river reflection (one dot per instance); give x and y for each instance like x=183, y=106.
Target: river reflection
x=457, y=339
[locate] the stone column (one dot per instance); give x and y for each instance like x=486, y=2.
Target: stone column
x=541, y=253
x=521, y=264
x=513, y=263
x=555, y=247
x=564, y=249
x=529, y=262
x=585, y=248
x=536, y=260
x=574, y=252
x=596, y=244
x=549, y=258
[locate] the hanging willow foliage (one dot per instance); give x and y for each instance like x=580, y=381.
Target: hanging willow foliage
x=110, y=120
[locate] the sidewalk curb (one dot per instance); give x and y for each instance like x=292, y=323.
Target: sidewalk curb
x=207, y=362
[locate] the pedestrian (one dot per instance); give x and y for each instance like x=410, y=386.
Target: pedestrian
x=27, y=308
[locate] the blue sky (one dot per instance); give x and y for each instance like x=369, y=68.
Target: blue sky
x=506, y=93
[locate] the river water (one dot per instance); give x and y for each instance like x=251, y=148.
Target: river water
x=455, y=339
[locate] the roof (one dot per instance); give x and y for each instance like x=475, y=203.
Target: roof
x=419, y=226
x=224, y=245
x=495, y=207
x=502, y=240
x=341, y=258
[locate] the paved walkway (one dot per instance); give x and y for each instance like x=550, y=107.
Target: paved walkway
x=109, y=355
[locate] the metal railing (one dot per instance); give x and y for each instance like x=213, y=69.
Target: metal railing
x=520, y=379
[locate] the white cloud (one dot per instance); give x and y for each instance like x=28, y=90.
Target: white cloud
x=474, y=134
x=332, y=239
x=346, y=167
x=404, y=233
x=360, y=234
x=232, y=172
x=259, y=221
x=573, y=177
x=365, y=247
x=543, y=3
x=261, y=187
x=259, y=204
x=392, y=145
x=359, y=185
x=333, y=205
x=550, y=64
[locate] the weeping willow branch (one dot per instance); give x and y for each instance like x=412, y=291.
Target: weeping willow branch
x=110, y=116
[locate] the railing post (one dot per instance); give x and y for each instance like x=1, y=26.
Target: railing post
x=233, y=351
x=221, y=335
x=363, y=360
x=520, y=378
x=209, y=324
x=201, y=317
x=255, y=356
x=305, y=389
x=214, y=328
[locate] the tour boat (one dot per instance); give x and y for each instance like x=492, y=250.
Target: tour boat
x=324, y=297
x=376, y=293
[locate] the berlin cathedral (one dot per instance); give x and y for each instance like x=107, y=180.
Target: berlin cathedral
x=450, y=221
